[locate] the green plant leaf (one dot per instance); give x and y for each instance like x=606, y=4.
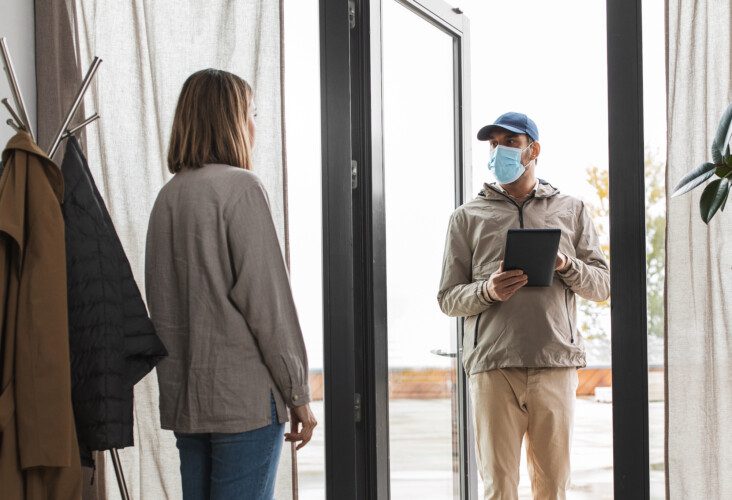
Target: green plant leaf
x=691, y=180
x=728, y=160
x=722, y=137
x=724, y=203
x=726, y=196
x=713, y=197
x=723, y=171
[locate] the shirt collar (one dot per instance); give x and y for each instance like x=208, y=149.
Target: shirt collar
x=533, y=191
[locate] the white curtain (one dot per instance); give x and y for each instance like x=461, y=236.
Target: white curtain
x=699, y=258
x=148, y=49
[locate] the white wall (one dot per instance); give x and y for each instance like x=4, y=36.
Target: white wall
x=17, y=25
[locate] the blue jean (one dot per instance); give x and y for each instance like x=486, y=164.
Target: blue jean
x=231, y=466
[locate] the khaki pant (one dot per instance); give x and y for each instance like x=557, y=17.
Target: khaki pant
x=511, y=402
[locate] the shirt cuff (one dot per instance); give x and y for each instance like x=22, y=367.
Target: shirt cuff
x=299, y=396
x=571, y=268
x=482, y=294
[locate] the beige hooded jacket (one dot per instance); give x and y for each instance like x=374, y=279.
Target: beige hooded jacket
x=536, y=327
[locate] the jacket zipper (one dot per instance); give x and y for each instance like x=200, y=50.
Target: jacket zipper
x=519, y=207
x=569, y=320
x=521, y=224
x=475, y=335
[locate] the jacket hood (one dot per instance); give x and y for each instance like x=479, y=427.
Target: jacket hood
x=493, y=191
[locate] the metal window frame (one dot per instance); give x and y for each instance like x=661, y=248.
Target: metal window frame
x=338, y=301
x=627, y=240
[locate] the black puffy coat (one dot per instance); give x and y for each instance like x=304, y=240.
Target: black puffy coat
x=112, y=340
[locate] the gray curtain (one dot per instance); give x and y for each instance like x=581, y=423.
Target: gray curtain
x=149, y=48
x=58, y=74
x=698, y=265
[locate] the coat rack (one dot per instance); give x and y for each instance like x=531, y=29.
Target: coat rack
x=19, y=121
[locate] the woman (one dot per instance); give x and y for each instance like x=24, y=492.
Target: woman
x=220, y=299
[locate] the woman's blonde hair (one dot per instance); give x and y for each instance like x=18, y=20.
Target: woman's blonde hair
x=210, y=123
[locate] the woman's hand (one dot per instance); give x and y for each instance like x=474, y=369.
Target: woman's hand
x=301, y=415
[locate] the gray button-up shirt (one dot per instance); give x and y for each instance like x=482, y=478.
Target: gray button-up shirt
x=219, y=296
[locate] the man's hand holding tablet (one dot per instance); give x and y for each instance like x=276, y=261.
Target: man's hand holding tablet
x=503, y=284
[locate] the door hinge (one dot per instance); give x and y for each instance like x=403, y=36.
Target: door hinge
x=357, y=407
x=352, y=13
x=354, y=174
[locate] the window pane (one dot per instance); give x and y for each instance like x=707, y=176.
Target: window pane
x=654, y=124
x=302, y=120
x=419, y=163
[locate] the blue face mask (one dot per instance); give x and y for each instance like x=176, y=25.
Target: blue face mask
x=506, y=164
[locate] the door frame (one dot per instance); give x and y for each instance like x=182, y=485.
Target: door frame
x=629, y=327
x=339, y=353
x=355, y=355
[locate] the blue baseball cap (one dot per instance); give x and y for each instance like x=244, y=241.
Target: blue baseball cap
x=518, y=123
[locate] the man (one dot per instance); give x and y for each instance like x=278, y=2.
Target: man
x=521, y=347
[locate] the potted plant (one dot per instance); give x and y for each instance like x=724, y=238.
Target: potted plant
x=715, y=194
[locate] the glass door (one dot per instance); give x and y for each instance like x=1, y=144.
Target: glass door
x=395, y=162
x=423, y=57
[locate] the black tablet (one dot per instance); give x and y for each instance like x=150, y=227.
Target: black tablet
x=534, y=251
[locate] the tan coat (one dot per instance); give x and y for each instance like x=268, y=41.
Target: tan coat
x=39, y=456
x=536, y=328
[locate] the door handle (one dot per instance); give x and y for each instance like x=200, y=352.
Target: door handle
x=440, y=352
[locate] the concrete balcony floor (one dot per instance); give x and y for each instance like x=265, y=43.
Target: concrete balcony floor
x=421, y=452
